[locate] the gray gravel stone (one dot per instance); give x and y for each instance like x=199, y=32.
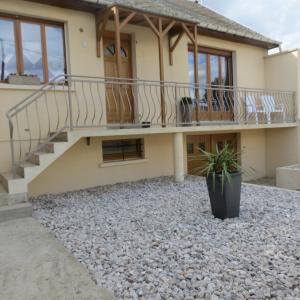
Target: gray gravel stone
x=155, y=239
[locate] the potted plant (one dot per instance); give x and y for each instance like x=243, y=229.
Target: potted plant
x=223, y=177
x=187, y=108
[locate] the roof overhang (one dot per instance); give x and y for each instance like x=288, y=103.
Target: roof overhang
x=93, y=7
x=236, y=38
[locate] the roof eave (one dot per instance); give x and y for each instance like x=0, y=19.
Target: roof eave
x=237, y=38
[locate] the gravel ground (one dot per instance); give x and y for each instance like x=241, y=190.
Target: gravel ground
x=155, y=239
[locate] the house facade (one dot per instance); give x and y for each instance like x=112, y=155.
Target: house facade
x=117, y=92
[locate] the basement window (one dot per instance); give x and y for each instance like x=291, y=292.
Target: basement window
x=123, y=150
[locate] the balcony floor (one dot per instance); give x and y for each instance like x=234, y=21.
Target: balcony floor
x=211, y=127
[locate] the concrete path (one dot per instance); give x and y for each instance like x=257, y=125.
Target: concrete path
x=34, y=265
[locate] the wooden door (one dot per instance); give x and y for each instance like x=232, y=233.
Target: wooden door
x=119, y=96
x=195, y=162
x=220, y=140
x=214, y=74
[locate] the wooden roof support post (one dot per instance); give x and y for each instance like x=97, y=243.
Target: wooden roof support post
x=101, y=21
x=118, y=58
x=193, y=37
x=161, y=72
x=197, y=94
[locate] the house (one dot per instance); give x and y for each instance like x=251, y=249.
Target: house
x=122, y=90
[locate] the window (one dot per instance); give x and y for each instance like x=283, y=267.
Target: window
x=214, y=68
x=123, y=150
x=110, y=51
x=31, y=47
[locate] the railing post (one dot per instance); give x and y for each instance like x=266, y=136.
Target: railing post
x=177, y=108
x=295, y=106
x=12, y=149
x=70, y=103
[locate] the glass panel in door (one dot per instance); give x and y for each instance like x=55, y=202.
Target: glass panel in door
x=215, y=82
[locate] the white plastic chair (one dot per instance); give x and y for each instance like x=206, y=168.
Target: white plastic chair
x=270, y=107
x=253, y=108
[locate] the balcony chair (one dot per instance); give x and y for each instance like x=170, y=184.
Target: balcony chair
x=270, y=106
x=253, y=108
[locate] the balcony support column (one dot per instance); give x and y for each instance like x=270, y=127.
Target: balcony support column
x=178, y=157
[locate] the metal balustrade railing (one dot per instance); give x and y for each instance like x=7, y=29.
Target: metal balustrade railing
x=69, y=102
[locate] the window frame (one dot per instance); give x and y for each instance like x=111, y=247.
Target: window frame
x=17, y=20
x=140, y=155
x=220, y=53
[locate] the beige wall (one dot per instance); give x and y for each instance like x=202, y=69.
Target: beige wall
x=282, y=148
x=253, y=150
x=282, y=72
x=81, y=166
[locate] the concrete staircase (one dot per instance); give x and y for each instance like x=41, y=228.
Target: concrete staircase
x=14, y=191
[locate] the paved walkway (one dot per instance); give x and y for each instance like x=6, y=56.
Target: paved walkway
x=34, y=265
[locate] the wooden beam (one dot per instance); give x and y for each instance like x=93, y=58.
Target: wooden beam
x=127, y=20
x=187, y=31
x=197, y=94
x=151, y=25
x=161, y=72
x=172, y=47
x=101, y=18
x=168, y=28
x=118, y=58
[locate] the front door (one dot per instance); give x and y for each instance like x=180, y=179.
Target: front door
x=119, y=97
x=208, y=143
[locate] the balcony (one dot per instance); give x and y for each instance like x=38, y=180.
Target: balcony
x=78, y=102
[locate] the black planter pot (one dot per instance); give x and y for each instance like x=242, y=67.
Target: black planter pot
x=225, y=203
x=187, y=113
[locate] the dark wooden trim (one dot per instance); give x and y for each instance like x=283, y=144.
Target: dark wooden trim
x=19, y=52
x=209, y=50
x=30, y=19
x=44, y=53
x=80, y=5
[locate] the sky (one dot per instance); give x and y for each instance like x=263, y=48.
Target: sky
x=277, y=19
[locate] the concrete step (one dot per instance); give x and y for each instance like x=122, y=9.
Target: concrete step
x=37, y=158
x=24, y=166
x=61, y=137
x=16, y=211
x=52, y=147
x=16, y=185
